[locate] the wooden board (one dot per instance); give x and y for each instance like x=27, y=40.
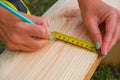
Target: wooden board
x=57, y=60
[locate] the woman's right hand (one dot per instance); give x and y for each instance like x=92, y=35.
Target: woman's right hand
x=19, y=35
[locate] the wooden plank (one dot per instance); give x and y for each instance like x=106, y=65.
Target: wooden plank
x=93, y=68
x=57, y=60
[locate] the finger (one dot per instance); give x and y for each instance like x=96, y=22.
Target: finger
x=39, y=31
x=114, y=39
x=30, y=47
x=36, y=30
x=26, y=49
x=42, y=21
x=110, y=28
x=36, y=43
x=38, y=20
x=93, y=28
x=17, y=47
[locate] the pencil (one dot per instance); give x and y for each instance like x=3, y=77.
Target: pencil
x=16, y=13
x=20, y=16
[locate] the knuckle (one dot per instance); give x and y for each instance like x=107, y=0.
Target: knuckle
x=47, y=34
x=17, y=25
x=106, y=41
x=114, y=13
x=43, y=32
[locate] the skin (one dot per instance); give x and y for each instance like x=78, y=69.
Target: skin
x=95, y=13
x=19, y=35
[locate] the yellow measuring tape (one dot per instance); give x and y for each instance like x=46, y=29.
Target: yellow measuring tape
x=63, y=37
x=74, y=41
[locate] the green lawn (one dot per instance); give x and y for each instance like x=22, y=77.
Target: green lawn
x=38, y=7
x=106, y=73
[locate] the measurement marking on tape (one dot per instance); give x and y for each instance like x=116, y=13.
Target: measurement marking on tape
x=74, y=41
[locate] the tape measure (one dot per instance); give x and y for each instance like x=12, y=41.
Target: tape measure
x=60, y=36
x=74, y=41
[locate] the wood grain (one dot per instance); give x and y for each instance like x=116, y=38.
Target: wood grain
x=57, y=60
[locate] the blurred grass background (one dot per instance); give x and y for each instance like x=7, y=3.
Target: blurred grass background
x=38, y=7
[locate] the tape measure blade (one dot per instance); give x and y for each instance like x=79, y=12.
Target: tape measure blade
x=74, y=41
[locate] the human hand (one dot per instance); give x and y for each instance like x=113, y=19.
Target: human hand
x=19, y=35
x=95, y=13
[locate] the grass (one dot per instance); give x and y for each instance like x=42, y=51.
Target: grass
x=2, y=46
x=38, y=7
x=106, y=73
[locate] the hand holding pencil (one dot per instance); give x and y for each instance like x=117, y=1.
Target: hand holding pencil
x=28, y=33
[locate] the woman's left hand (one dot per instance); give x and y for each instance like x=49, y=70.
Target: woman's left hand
x=96, y=12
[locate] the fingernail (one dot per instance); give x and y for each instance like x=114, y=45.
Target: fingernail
x=51, y=37
x=106, y=53
x=50, y=28
x=97, y=45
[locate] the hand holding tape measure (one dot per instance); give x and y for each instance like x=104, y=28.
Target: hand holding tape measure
x=57, y=35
